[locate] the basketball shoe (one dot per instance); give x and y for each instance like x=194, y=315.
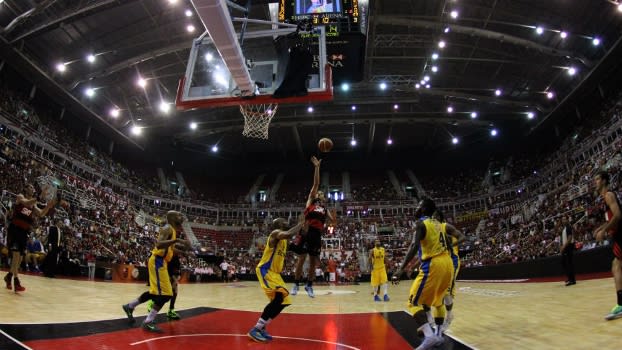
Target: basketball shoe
x=172, y=315
x=18, y=286
x=309, y=290
x=430, y=342
x=256, y=335
x=294, y=290
x=265, y=334
x=151, y=327
x=616, y=312
x=7, y=280
x=149, y=305
x=377, y=298
x=386, y=297
x=129, y=313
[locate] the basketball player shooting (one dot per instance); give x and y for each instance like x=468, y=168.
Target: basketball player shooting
x=311, y=243
x=24, y=215
x=269, y=274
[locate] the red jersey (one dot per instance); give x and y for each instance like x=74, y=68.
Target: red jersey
x=315, y=216
x=614, y=232
x=23, y=217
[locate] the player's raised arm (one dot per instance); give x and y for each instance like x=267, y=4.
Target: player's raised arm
x=279, y=234
x=316, y=180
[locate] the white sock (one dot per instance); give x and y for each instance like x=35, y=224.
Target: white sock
x=152, y=315
x=427, y=330
x=261, y=323
x=133, y=304
x=385, y=288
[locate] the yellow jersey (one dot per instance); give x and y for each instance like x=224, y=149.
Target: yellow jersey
x=273, y=258
x=377, y=256
x=435, y=241
x=167, y=253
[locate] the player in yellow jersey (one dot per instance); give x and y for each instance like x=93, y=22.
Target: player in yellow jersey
x=435, y=273
x=160, y=288
x=269, y=274
x=377, y=260
x=456, y=238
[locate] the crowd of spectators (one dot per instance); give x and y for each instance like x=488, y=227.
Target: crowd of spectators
x=103, y=220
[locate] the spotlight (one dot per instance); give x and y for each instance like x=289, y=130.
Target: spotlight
x=172, y=2
x=193, y=126
x=353, y=142
x=61, y=67
x=595, y=41
x=137, y=130
x=90, y=92
x=383, y=86
x=446, y=30
x=435, y=56
x=531, y=115
x=426, y=78
x=353, y=108
x=214, y=149
x=550, y=95
x=190, y=28
x=493, y=132
x=141, y=82
x=498, y=92
x=441, y=44
x=417, y=86
x=422, y=82
x=345, y=87
x=90, y=58
x=572, y=71
x=165, y=107
x=563, y=35
x=427, y=86
x=539, y=30
x=455, y=140
x=450, y=109
x=434, y=69
x=310, y=109
x=473, y=115
x=115, y=112
x=620, y=7
x=188, y=13
x=454, y=14
x=389, y=141
x=209, y=57
x=395, y=106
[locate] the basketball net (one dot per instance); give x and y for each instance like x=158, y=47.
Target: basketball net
x=257, y=119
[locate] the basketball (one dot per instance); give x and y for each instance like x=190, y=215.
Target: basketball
x=325, y=144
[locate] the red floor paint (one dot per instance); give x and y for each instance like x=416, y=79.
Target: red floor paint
x=227, y=329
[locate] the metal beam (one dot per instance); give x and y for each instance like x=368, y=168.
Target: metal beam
x=407, y=59
x=73, y=13
x=28, y=68
x=472, y=31
x=372, y=134
x=409, y=117
x=298, y=142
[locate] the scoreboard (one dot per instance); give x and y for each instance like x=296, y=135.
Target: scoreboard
x=322, y=12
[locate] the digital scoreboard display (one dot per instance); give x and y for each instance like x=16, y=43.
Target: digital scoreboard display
x=318, y=11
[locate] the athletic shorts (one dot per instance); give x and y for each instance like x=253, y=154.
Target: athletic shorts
x=174, y=266
x=159, y=281
x=432, y=282
x=311, y=243
x=378, y=277
x=272, y=283
x=17, y=239
x=456, y=262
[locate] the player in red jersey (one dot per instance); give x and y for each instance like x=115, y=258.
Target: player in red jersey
x=613, y=229
x=311, y=242
x=24, y=214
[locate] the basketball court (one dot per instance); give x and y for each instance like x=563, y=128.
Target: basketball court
x=78, y=314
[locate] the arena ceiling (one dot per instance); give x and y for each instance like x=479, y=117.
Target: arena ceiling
x=505, y=60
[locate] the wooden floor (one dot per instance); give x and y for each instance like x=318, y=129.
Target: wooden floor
x=488, y=315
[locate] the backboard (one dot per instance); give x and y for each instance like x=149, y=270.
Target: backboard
x=209, y=83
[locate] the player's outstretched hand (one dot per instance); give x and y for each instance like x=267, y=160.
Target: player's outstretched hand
x=316, y=162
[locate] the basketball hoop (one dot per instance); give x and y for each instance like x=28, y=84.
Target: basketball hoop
x=257, y=119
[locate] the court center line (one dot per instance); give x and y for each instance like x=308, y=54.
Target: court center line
x=242, y=335
x=15, y=340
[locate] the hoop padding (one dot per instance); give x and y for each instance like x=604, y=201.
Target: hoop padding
x=257, y=119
